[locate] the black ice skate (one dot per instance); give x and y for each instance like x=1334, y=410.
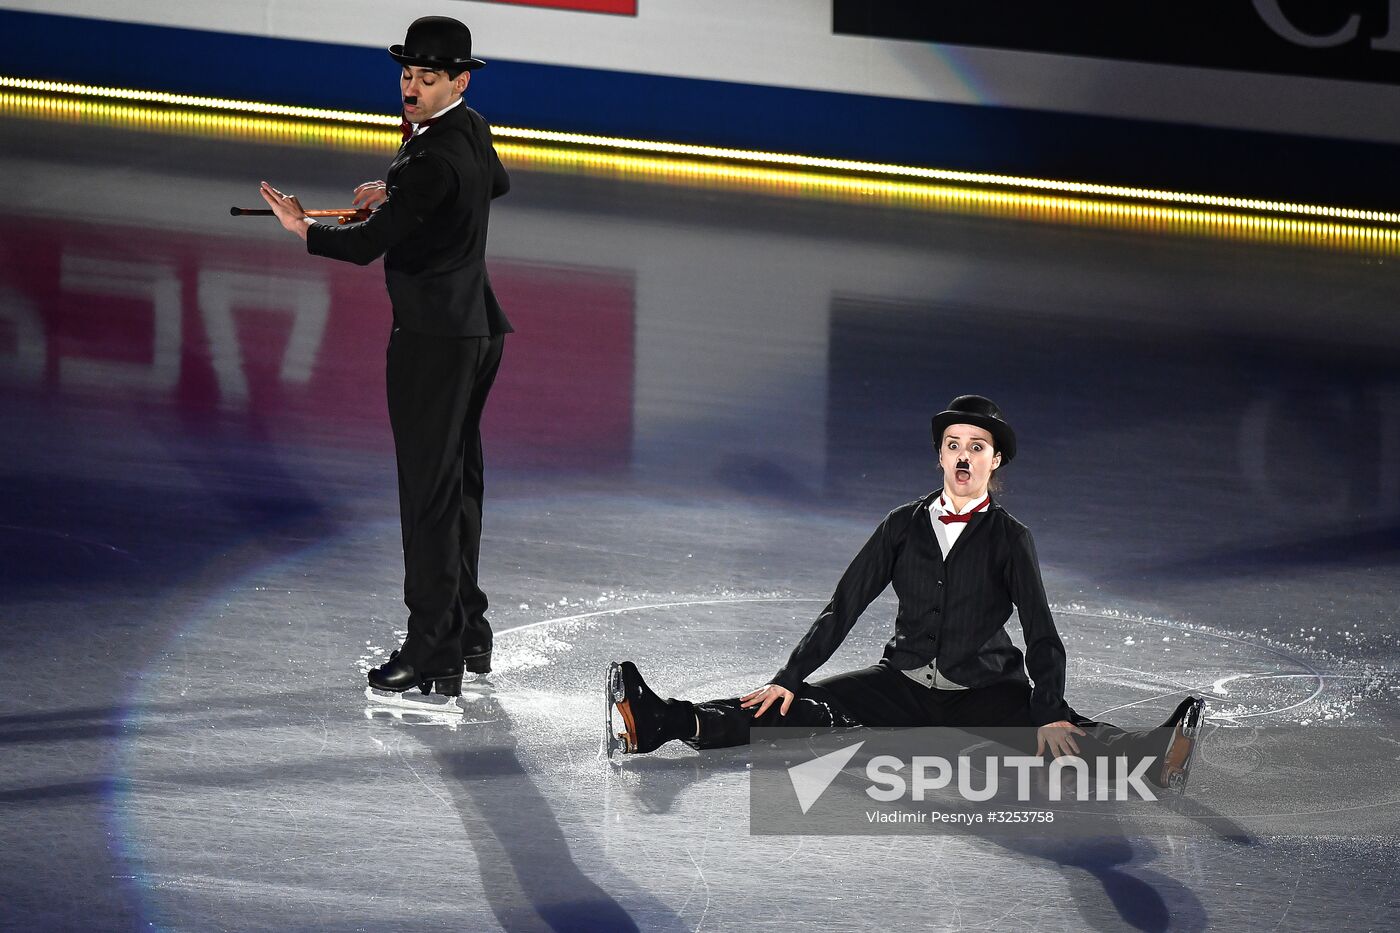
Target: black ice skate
x=644, y=722
x=391, y=684
x=446, y=681
x=1185, y=723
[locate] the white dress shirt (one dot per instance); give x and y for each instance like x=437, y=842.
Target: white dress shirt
x=419, y=128
x=947, y=535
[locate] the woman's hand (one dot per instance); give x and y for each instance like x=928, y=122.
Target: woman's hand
x=765, y=697
x=371, y=194
x=1058, y=737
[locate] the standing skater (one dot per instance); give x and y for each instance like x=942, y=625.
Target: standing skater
x=429, y=223
x=958, y=563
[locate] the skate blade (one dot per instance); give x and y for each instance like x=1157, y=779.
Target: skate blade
x=429, y=705
x=1191, y=724
x=615, y=702
x=609, y=738
x=1176, y=764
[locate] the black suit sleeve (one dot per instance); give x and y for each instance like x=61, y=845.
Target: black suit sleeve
x=418, y=188
x=865, y=579
x=500, y=181
x=1045, y=653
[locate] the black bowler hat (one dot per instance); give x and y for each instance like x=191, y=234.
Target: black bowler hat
x=437, y=42
x=983, y=412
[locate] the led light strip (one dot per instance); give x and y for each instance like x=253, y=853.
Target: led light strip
x=616, y=144
x=1035, y=207
x=255, y=128
x=189, y=100
x=776, y=181
x=949, y=175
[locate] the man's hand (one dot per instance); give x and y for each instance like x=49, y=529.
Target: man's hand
x=371, y=194
x=1058, y=737
x=767, y=695
x=287, y=208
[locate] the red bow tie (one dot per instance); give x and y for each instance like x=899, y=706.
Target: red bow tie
x=965, y=517
x=406, y=128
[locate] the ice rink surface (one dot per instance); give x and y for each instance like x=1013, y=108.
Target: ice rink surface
x=710, y=401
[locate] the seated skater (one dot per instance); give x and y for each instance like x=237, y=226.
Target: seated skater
x=958, y=562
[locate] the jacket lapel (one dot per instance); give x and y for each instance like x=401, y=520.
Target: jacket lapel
x=929, y=540
x=398, y=162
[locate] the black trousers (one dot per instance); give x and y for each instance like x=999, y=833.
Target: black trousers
x=881, y=696
x=437, y=389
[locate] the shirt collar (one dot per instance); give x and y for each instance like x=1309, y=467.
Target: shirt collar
x=419, y=128
x=942, y=506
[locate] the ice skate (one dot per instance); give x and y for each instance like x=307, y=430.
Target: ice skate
x=434, y=696
x=397, y=677
x=392, y=682
x=638, y=720
x=1185, y=723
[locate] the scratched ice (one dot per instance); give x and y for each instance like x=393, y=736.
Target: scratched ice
x=710, y=402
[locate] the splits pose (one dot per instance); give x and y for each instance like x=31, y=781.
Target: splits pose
x=429, y=219
x=958, y=563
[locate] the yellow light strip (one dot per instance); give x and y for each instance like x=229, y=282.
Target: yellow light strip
x=949, y=175
x=180, y=122
x=777, y=181
x=190, y=100
x=1036, y=207
x=729, y=155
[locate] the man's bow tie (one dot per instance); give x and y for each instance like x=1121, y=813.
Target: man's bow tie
x=966, y=517
x=407, y=128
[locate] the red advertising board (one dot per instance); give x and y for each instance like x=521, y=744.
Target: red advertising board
x=620, y=7
x=229, y=331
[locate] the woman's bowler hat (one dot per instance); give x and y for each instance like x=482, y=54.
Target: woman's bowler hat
x=983, y=412
x=437, y=42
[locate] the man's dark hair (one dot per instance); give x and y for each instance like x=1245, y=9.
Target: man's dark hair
x=452, y=71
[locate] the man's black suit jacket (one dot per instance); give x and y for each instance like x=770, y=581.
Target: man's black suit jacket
x=954, y=610
x=431, y=230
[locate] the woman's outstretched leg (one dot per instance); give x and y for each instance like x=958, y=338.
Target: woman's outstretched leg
x=640, y=721
x=1171, y=746
x=724, y=723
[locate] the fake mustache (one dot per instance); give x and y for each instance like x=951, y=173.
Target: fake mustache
x=963, y=465
x=411, y=101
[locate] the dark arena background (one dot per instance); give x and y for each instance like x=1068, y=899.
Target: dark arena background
x=749, y=249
